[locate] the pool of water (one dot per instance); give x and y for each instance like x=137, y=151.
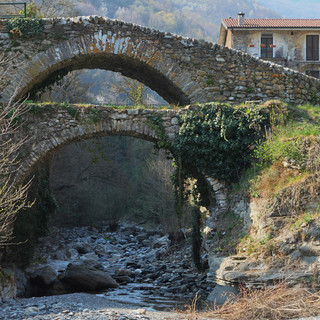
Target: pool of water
x=147, y=296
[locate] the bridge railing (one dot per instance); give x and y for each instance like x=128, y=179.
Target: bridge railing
x=8, y=7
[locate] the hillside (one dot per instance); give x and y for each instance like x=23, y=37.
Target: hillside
x=198, y=19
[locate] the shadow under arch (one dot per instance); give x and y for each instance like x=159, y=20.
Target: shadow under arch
x=127, y=66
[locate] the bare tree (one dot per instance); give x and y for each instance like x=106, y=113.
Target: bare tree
x=57, y=8
x=69, y=89
x=134, y=90
x=13, y=194
x=44, y=8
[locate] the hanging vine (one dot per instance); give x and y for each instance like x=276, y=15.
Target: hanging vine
x=214, y=140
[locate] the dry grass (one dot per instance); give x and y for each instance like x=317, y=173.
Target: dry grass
x=272, y=303
x=276, y=178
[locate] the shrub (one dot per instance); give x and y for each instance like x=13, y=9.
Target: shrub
x=25, y=27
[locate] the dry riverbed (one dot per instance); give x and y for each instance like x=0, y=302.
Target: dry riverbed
x=80, y=306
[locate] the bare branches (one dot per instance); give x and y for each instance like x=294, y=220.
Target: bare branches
x=70, y=89
x=134, y=90
x=13, y=196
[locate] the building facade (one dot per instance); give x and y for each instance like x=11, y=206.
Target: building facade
x=293, y=43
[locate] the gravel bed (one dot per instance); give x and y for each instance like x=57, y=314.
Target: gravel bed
x=79, y=306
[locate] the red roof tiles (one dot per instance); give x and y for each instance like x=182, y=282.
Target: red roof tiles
x=273, y=23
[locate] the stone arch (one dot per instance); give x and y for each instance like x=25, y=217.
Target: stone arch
x=140, y=59
x=49, y=127
x=181, y=70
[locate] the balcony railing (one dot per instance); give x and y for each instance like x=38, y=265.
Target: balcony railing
x=8, y=7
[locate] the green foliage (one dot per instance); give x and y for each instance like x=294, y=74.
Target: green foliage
x=94, y=115
x=285, y=141
x=209, y=81
x=25, y=27
x=33, y=11
x=305, y=219
x=38, y=108
x=217, y=140
x=155, y=122
x=214, y=140
x=277, y=149
x=314, y=98
x=71, y=110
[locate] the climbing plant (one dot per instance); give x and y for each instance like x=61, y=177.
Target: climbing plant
x=214, y=140
x=217, y=139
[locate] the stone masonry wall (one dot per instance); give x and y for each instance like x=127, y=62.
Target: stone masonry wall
x=181, y=70
x=47, y=127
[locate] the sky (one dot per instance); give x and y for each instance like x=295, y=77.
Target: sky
x=295, y=9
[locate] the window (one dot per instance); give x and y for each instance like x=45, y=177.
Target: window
x=313, y=73
x=312, y=47
x=266, y=46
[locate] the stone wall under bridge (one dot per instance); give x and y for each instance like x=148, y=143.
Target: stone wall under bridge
x=181, y=70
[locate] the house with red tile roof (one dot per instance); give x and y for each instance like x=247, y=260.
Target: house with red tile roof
x=293, y=43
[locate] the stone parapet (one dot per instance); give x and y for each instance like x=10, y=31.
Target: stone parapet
x=182, y=70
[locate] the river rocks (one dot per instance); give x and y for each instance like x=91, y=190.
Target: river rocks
x=162, y=242
x=85, y=276
x=83, y=247
x=221, y=294
x=141, y=262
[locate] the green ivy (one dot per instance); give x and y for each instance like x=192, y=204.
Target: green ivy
x=215, y=140
x=25, y=27
x=196, y=237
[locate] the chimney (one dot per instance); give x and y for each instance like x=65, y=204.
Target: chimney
x=240, y=18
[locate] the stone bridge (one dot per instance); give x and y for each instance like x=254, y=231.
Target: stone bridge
x=47, y=127
x=181, y=70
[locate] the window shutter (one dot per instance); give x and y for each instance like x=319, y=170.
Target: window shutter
x=312, y=42
x=315, y=47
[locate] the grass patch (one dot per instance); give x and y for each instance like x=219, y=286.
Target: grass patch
x=254, y=247
x=305, y=219
x=273, y=179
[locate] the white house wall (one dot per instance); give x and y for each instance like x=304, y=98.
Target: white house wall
x=290, y=46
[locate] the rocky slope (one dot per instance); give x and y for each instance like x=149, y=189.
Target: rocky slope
x=272, y=233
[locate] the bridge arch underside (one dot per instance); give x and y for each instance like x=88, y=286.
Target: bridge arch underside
x=127, y=66
x=50, y=126
x=43, y=149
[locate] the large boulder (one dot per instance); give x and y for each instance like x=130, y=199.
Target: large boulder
x=83, y=247
x=86, y=276
x=43, y=276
